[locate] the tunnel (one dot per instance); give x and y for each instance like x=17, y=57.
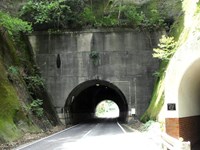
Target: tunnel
x=82, y=101
x=189, y=104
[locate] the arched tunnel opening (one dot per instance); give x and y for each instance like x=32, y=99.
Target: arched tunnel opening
x=81, y=103
x=189, y=104
x=107, y=109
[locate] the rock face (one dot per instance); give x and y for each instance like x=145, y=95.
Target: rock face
x=16, y=117
x=11, y=6
x=122, y=57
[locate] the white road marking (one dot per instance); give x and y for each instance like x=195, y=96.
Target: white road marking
x=27, y=145
x=90, y=131
x=121, y=127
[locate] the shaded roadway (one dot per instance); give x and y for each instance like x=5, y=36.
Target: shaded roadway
x=108, y=134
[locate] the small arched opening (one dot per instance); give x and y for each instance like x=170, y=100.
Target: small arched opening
x=107, y=109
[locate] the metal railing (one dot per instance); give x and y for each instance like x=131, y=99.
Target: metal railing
x=170, y=143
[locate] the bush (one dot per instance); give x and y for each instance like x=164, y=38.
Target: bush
x=133, y=16
x=153, y=20
x=53, y=14
x=13, y=73
x=13, y=70
x=13, y=25
x=62, y=14
x=166, y=48
x=88, y=17
x=36, y=107
x=94, y=55
x=107, y=21
x=34, y=83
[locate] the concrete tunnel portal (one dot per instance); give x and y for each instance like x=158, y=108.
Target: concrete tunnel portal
x=82, y=101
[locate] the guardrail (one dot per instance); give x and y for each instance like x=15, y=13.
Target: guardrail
x=170, y=143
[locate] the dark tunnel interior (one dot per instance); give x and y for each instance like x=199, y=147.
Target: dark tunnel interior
x=82, y=101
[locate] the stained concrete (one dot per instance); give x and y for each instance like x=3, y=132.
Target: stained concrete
x=125, y=59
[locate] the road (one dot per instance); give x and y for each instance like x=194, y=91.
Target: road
x=98, y=136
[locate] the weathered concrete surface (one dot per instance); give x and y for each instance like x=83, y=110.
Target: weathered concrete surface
x=182, y=82
x=182, y=76
x=125, y=59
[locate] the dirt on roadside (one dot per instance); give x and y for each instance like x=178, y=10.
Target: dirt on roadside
x=30, y=137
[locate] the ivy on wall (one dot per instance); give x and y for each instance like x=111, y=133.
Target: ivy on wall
x=94, y=55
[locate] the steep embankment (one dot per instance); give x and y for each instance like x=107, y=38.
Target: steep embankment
x=186, y=23
x=24, y=103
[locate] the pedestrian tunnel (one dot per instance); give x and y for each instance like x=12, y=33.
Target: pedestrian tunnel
x=83, y=100
x=189, y=104
x=183, y=91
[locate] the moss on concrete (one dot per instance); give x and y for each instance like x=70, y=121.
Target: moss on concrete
x=176, y=29
x=180, y=31
x=157, y=100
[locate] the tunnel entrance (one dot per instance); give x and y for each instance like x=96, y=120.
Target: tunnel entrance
x=189, y=104
x=81, y=103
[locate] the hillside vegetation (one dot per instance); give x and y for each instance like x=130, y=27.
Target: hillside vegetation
x=24, y=103
x=180, y=32
x=78, y=14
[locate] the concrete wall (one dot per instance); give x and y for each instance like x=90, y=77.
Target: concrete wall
x=125, y=59
x=182, y=82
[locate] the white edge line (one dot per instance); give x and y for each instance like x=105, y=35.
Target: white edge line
x=134, y=130
x=19, y=148
x=121, y=127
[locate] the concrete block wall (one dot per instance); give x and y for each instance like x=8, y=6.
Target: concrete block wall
x=125, y=59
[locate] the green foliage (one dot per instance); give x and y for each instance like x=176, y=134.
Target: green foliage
x=157, y=99
x=107, y=21
x=94, y=55
x=53, y=14
x=34, y=82
x=88, y=17
x=13, y=70
x=177, y=27
x=198, y=7
x=166, y=48
x=36, y=107
x=62, y=14
x=132, y=16
x=13, y=25
x=13, y=73
x=153, y=20
x=9, y=104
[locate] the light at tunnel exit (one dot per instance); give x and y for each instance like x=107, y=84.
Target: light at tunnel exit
x=107, y=109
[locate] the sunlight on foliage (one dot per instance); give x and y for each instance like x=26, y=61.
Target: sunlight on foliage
x=166, y=48
x=107, y=109
x=14, y=25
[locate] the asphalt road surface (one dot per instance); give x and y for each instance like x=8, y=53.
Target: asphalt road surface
x=106, y=135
